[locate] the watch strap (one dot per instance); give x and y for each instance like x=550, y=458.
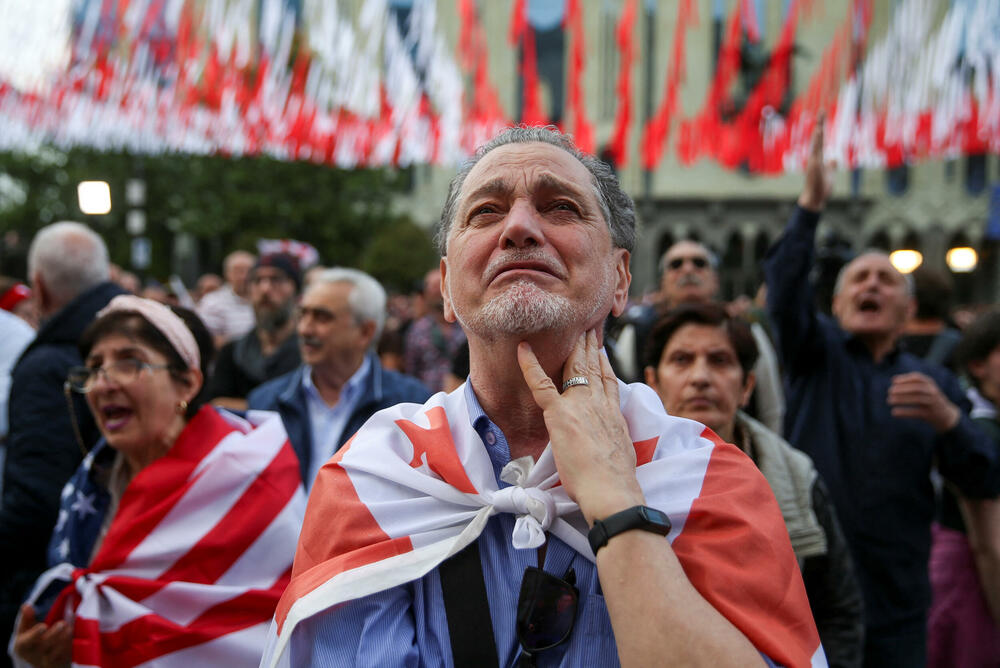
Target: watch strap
x=636, y=517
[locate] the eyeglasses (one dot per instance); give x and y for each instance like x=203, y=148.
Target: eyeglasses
x=82, y=378
x=546, y=611
x=678, y=262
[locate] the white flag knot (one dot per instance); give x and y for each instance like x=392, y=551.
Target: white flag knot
x=535, y=510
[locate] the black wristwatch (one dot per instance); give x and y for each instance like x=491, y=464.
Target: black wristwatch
x=636, y=517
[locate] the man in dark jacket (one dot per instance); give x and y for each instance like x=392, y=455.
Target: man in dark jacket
x=69, y=270
x=342, y=383
x=874, y=419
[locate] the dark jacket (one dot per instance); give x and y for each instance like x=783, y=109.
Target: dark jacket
x=876, y=466
x=42, y=449
x=382, y=389
x=240, y=365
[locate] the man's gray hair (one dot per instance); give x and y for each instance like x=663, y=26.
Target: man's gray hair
x=366, y=299
x=616, y=205
x=838, y=285
x=70, y=257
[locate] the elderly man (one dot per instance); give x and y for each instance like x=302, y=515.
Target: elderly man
x=510, y=521
x=227, y=312
x=699, y=360
x=271, y=348
x=689, y=275
x=69, y=272
x=341, y=383
x=875, y=420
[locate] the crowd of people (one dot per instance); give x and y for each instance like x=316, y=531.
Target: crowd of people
x=492, y=462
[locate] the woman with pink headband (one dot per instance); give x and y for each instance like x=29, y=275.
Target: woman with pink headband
x=176, y=535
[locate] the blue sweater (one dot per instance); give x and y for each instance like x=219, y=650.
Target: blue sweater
x=877, y=467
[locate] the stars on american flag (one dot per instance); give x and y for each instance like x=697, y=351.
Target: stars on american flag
x=83, y=505
x=63, y=516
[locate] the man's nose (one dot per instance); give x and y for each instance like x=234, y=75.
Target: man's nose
x=522, y=226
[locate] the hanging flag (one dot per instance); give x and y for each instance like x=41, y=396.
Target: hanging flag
x=523, y=34
x=657, y=131
x=581, y=127
x=618, y=148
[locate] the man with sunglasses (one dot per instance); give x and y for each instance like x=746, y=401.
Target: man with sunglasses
x=689, y=275
x=521, y=519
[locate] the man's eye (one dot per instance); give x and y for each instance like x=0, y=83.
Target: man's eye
x=483, y=209
x=563, y=205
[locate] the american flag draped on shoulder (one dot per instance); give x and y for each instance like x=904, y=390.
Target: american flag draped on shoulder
x=415, y=485
x=196, y=556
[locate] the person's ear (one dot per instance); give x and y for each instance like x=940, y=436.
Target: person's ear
x=977, y=369
x=650, y=374
x=42, y=297
x=748, y=385
x=449, y=311
x=367, y=332
x=623, y=279
x=192, y=379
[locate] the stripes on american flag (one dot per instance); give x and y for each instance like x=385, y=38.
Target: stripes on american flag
x=198, y=554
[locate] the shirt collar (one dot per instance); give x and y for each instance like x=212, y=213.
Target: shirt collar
x=493, y=439
x=351, y=387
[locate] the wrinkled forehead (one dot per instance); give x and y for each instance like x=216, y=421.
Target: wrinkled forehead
x=876, y=262
x=528, y=165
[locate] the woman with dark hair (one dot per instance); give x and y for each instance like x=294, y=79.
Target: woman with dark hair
x=176, y=534
x=964, y=619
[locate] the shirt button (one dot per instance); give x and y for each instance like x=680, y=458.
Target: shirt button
x=490, y=438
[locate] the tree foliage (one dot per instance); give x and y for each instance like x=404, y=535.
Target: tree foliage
x=223, y=203
x=400, y=256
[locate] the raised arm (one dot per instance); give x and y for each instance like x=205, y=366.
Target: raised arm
x=791, y=258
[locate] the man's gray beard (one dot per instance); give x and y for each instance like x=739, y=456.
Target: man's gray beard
x=524, y=308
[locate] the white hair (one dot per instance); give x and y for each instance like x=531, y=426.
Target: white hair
x=367, y=298
x=70, y=258
x=838, y=284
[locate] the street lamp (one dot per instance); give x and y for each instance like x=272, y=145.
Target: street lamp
x=905, y=261
x=94, y=197
x=962, y=259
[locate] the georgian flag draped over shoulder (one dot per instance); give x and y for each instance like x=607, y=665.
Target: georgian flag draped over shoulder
x=197, y=555
x=415, y=485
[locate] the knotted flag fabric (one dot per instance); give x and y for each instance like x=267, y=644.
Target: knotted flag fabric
x=415, y=485
x=196, y=556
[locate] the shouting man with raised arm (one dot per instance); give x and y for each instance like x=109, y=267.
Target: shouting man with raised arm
x=543, y=513
x=874, y=418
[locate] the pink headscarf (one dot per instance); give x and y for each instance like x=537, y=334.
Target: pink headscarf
x=164, y=320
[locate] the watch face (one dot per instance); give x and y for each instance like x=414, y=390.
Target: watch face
x=654, y=516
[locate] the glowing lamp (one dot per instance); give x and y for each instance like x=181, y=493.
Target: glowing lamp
x=962, y=259
x=95, y=197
